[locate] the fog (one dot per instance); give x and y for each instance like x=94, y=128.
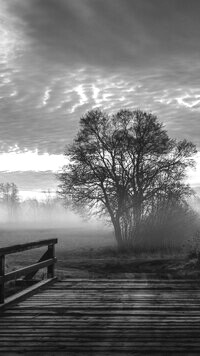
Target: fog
x=31, y=220
x=33, y=214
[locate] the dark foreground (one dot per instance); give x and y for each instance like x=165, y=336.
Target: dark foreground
x=93, y=254
x=106, y=317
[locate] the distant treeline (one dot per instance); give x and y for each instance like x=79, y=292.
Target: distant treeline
x=13, y=209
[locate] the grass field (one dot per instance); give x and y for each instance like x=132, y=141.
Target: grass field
x=92, y=253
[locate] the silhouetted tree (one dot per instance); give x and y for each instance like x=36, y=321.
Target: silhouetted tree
x=125, y=165
x=9, y=197
x=31, y=208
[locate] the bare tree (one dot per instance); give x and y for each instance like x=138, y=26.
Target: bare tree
x=9, y=197
x=125, y=165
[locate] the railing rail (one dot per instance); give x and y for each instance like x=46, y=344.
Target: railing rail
x=27, y=246
x=48, y=261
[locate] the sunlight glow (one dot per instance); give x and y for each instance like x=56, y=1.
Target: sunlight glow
x=83, y=99
x=31, y=161
x=10, y=40
x=190, y=101
x=193, y=176
x=35, y=194
x=46, y=96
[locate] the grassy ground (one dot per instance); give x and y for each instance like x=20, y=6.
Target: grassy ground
x=92, y=253
x=107, y=263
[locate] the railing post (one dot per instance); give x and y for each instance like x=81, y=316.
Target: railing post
x=2, y=273
x=51, y=268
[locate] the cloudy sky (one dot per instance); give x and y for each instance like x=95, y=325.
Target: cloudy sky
x=60, y=58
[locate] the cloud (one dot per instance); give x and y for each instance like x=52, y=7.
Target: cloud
x=62, y=58
x=31, y=181
x=113, y=33
x=44, y=115
x=31, y=161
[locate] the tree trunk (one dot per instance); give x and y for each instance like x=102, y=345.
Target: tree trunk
x=118, y=235
x=138, y=219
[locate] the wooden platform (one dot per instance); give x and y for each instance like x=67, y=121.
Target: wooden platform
x=105, y=317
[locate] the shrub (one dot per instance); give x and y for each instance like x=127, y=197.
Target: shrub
x=193, y=247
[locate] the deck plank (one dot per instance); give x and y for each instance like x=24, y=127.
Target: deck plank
x=105, y=317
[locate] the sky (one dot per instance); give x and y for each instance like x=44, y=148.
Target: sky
x=61, y=58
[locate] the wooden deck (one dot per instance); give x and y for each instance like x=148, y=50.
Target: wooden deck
x=105, y=317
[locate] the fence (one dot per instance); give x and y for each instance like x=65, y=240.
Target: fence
x=47, y=260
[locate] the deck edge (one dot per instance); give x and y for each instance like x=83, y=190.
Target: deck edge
x=24, y=294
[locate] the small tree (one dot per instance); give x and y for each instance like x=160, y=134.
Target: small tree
x=9, y=197
x=126, y=166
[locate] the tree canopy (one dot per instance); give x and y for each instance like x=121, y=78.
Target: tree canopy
x=125, y=166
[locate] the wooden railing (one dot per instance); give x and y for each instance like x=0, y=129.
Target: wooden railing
x=48, y=261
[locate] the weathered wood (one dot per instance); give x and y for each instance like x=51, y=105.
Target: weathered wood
x=47, y=260
x=26, y=246
x=51, y=268
x=44, y=257
x=23, y=271
x=75, y=318
x=25, y=293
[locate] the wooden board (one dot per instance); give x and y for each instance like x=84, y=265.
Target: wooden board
x=26, y=246
x=105, y=317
